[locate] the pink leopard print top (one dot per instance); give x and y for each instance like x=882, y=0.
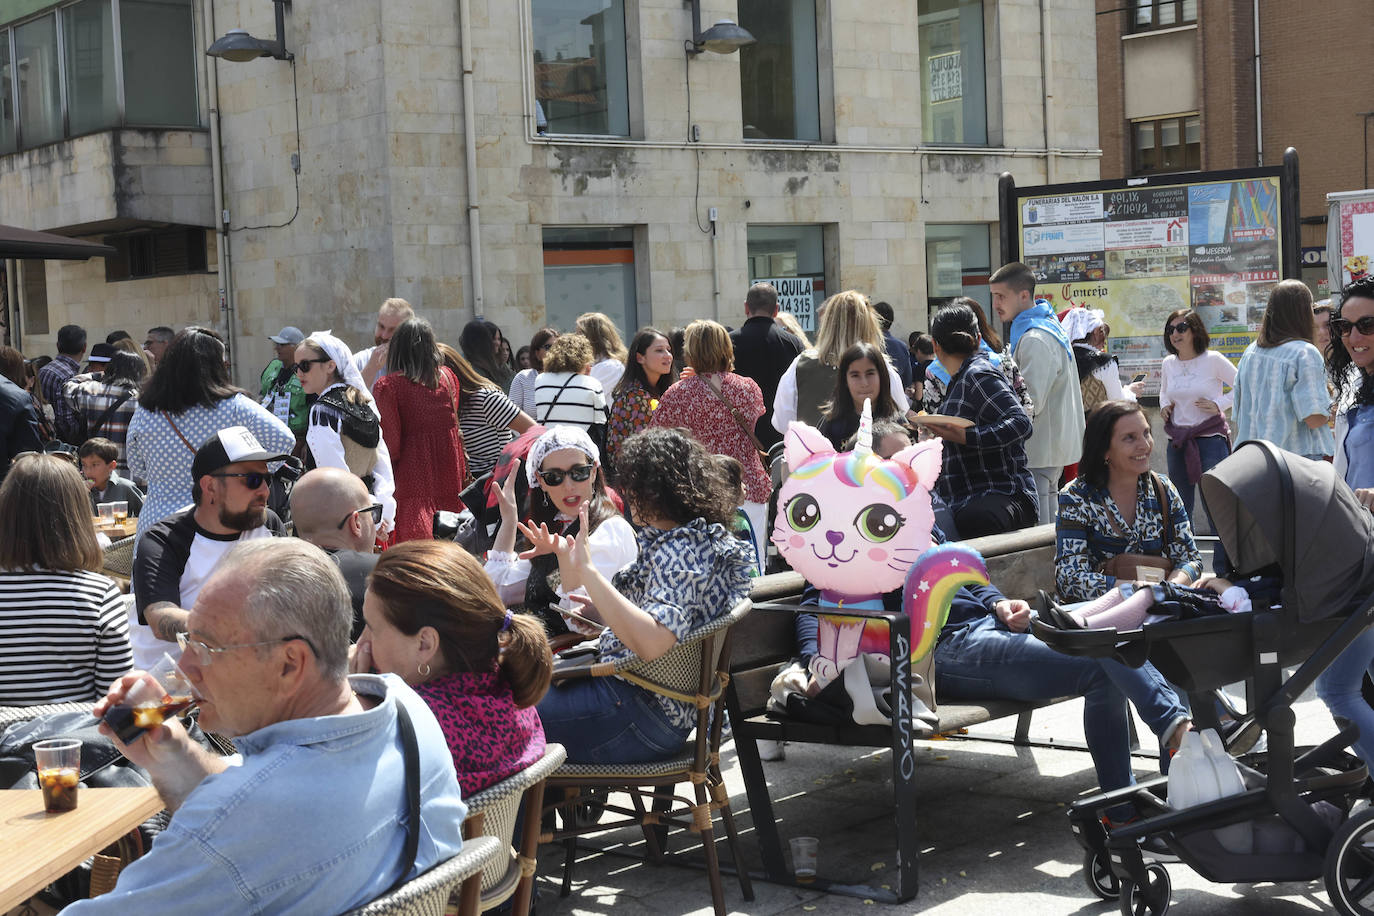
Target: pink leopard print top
x=489, y=736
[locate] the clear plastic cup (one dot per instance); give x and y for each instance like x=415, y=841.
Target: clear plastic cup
x=107, y=511
x=121, y=509
x=58, y=762
x=804, y=849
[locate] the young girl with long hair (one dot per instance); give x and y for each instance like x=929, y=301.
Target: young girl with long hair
x=862, y=377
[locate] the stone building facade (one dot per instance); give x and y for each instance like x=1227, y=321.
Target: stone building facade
x=322, y=185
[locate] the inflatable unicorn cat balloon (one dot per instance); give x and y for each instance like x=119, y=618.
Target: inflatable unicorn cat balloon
x=857, y=526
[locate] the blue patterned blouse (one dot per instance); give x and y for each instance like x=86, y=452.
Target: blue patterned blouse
x=1089, y=530
x=685, y=577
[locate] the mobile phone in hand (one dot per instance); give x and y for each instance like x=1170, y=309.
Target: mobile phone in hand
x=1139, y=377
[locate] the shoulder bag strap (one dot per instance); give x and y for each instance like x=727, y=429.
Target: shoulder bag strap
x=1166, y=517
x=176, y=430
x=109, y=411
x=411, y=752
x=739, y=418
x=556, y=396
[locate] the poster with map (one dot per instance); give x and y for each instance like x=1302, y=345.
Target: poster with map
x=1142, y=252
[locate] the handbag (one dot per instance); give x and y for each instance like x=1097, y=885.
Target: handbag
x=1142, y=565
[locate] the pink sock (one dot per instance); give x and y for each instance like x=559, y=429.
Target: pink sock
x=1127, y=614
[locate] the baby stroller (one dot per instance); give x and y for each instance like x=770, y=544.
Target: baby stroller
x=1269, y=508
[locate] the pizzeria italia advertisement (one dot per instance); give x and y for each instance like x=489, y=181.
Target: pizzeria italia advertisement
x=1139, y=253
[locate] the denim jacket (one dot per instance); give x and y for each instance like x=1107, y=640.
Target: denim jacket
x=310, y=821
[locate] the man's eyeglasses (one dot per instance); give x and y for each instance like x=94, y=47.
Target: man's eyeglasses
x=1178, y=328
x=304, y=365
x=581, y=473
x=1343, y=326
x=375, y=509
x=252, y=480
x=205, y=655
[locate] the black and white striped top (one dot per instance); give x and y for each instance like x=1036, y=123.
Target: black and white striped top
x=485, y=416
x=64, y=637
x=568, y=399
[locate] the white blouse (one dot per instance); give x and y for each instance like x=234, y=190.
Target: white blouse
x=1181, y=382
x=612, y=546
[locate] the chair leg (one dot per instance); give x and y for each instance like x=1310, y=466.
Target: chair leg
x=727, y=817
x=570, y=845
x=529, y=848
x=708, y=846
x=649, y=828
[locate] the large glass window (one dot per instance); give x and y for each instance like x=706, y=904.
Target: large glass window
x=953, y=84
x=792, y=258
x=779, y=87
x=9, y=138
x=159, y=89
x=1167, y=145
x=1162, y=14
x=35, y=296
x=590, y=270
x=580, y=75
x=88, y=45
x=958, y=261
x=40, y=91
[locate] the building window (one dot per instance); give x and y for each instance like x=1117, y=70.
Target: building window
x=779, y=86
x=590, y=270
x=580, y=75
x=792, y=258
x=1162, y=14
x=34, y=295
x=953, y=84
x=958, y=262
x=76, y=91
x=1166, y=145
x=160, y=253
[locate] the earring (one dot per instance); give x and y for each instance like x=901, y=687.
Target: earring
x=423, y=670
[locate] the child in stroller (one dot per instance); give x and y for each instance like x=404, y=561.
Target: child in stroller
x=1270, y=508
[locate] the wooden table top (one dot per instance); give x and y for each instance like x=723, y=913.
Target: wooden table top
x=116, y=530
x=38, y=848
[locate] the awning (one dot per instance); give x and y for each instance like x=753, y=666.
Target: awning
x=28, y=243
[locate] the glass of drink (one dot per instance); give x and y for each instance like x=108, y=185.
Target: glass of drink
x=162, y=692
x=804, y=849
x=107, y=512
x=59, y=772
x=121, y=509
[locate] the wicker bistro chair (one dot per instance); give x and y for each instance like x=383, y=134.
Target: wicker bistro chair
x=694, y=671
x=493, y=812
x=119, y=558
x=427, y=895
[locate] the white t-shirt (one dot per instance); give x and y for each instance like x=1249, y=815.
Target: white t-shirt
x=1183, y=382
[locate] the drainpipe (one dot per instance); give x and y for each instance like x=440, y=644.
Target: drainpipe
x=209, y=69
x=470, y=157
x=1051, y=172
x=1259, y=116
x=12, y=299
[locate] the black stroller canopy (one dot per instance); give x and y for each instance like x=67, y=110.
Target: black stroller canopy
x=1270, y=506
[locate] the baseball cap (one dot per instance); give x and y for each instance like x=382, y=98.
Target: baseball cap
x=101, y=353
x=229, y=445
x=287, y=335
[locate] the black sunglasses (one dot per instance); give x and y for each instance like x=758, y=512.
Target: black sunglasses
x=252, y=480
x=1178, y=328
x=1343, y=326
x=304, y=365
x=375, y=509
x=581, y=473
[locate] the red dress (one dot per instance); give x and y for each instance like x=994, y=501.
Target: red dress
x=426, y=450
x=690, y=402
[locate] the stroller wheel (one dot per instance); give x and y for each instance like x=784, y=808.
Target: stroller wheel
x=1350, y=866
x=1098, y=875
x=1149, y=900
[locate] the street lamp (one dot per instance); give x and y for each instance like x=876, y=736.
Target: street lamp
x=725, y=37
x=238, y=46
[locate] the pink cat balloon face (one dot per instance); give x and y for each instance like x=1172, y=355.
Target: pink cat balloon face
x=853, y=523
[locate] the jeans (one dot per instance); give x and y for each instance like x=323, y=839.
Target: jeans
x=984, y=661
x=1339, y=688
x=607, y=720
x=1211, y=449
x=1047, y=493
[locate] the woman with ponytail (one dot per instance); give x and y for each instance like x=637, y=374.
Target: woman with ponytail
x=434, y=620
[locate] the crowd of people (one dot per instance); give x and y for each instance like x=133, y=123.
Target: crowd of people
x=631, y=487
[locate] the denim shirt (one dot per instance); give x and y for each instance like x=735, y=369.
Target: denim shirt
x=311, y=820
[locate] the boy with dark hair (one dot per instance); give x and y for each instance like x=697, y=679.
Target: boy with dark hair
x=99, y=458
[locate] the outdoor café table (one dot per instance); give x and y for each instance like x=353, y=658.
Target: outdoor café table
x=38, y=848
x=115, y=530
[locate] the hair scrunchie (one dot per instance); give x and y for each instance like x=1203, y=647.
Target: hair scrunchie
x=505, y=625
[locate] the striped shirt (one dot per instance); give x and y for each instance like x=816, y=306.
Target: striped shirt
x=484, y=417
x=568, y=399
x=64, y=637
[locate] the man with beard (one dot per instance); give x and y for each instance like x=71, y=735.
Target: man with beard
x=371, y=363
x=176, y=556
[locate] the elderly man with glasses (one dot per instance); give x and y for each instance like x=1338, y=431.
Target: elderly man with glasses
x=343, y=786
x=333, y=510
x=176, y=556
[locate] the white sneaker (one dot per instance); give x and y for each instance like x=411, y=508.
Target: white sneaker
x=771, y=750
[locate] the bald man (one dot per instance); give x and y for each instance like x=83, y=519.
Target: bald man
x=333, y=510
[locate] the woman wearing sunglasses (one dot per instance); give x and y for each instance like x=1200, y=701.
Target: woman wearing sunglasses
x=1193, y=405
x=564, y=472
x=344, y=429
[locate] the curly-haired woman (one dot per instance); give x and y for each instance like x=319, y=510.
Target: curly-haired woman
x=689, y=571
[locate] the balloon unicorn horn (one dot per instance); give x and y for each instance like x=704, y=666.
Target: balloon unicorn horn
x=864, y=444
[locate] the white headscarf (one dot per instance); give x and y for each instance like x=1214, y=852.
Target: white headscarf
x=1079, y=322
x=338, y=351
x=554, y=439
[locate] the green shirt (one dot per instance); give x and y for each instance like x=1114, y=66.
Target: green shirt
x=285, y=402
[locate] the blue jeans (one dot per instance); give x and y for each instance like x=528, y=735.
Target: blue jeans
x=1339, y=688
x=607, y=720
x=1211, y=450
x=984, y=661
